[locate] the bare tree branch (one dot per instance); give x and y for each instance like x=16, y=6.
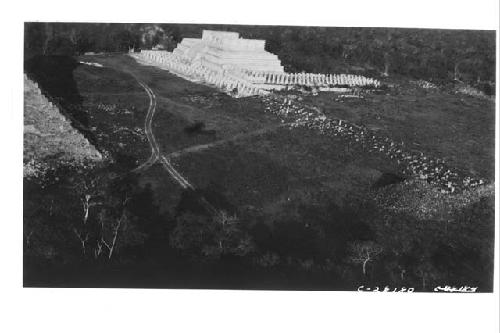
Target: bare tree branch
x=83, y=240
x=364, y=252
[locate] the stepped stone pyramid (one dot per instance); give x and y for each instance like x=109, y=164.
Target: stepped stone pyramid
x=48, y=134
x=223, y=50
x=241, y=67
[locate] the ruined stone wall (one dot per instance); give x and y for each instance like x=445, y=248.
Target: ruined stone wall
x=49, y=136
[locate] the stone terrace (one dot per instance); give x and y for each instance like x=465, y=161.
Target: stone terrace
x=241, y=67
x=48, y=134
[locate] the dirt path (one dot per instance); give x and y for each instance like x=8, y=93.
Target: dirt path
x=155, y=150
x=198, y=148
x=164, y=160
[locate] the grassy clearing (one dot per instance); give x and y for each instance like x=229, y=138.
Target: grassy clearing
x=181, y=104
x=458, y=128
x=172, y=120
x=259, y=170
x=167, y=192
x=116, y=121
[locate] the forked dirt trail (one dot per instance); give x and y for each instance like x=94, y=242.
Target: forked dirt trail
x=198, y=148
x=155, y=149
x=164, y=160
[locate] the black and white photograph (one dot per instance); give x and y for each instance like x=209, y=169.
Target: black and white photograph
x=258, y=157
x=183, y=155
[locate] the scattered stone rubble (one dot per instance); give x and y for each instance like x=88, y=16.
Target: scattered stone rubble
x=424, y=84
x=414, y=164
x=422, y=200
x=471, y=91
x=106, y=107
x=94, y=64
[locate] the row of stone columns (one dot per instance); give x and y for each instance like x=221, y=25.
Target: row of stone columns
x=310, y=79
x=167, y=60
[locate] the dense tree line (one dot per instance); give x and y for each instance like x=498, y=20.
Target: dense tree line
x=107, y=219
x=436, y=55
x=78, y=38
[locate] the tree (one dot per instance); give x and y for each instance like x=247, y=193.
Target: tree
x=34, y=38
x=228, y=237
x=362, y=252
x=123, y=41
x=426, y=272
x=454, y=53
x=211, y=237
x=84, y=42
x=104, y=217
x=112, y=225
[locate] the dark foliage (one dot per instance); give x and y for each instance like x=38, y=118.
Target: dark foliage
x=430, y=54
x=55, y=75
x=388, y=179
x=195, y=128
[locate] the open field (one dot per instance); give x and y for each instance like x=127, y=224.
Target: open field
x=182, y=103
x=455, y=127
x=304, y=199
x=260, y=170
x=254, y=169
